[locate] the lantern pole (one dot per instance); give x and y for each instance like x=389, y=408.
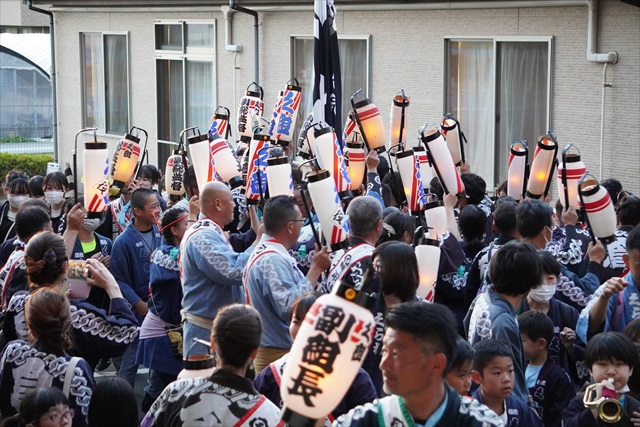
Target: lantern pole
x=358, y=122
x=75, y=158
x=525, y=178
x=393, y=175
x=144, y=150
x=553, y=164
x=402, y=115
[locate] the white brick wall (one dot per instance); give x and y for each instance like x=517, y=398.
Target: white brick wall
x=407, y=51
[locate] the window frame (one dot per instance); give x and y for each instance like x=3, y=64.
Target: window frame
x=494, y=100
x=83, y=94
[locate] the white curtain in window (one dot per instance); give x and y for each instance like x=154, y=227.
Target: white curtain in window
x=199, y=101
x=93, y=80
x=170, y=98
x=116, y=87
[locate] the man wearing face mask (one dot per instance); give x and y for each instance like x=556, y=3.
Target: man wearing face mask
x=535, y=225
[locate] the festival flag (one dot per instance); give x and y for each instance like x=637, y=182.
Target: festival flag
x=327, y=83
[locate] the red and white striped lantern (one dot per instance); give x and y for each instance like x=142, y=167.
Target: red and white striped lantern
x=330, y=157
x=517, y=170
x=354, y=158
x=220, y=122
x=251, y=107
x=326, y=202
x=599, y=209
x=369, y=121
x=426, y=172
x=227, y=166
x=201, y=158
x=441, y=160
x=451, y=130
x=125, y=160
x=348, y=134
x=257, y=168
x=95, y=159
x=398, y=132
x=570, y=170
x=409, y=169
x=288, y=114
x=542, y=166
x=279, y=179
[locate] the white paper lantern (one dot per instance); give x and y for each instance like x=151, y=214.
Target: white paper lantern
x=288, y=114
x=95, y=159
x=220, y=122
x=326, y=203
x=570, y=170
x=436, y=217
x=257, y=168
x=279, y=179
x=227, y=166
x=125, y=160
x=201, y=158
x=409, y=169
x=542, y=166
x=517, y=170
x=174, y=175
x=441, y=160
x=428, y=256
x=329, y=155
x=251, y=106
x=399, y=123
x=355, y=160
x=274, y=115
x=369, y=121
x=597, y=204
x=452, y=134
x=426, y=172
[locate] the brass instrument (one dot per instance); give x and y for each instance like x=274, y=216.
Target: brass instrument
x=598, y=397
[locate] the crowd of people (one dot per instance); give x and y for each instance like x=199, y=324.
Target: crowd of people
x=529, y=308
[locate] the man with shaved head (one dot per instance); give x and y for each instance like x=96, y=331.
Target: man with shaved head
x=211, y=270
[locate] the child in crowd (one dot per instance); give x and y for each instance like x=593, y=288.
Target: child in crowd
x=549, y=385
x=459, y=376
x=611, y=357
x=632, y=330
x=493, y=371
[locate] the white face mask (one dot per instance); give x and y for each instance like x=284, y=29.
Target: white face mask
x=91, y=224
x=54, y=197
x=16, y=201
x=543, y=293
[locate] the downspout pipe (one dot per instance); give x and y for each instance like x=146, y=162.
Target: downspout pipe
x=237, y=8
x=228, y=45
x=53, y=77
x=592, y=55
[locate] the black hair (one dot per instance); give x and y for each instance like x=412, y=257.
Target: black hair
x=394, y=181
x=18, y=186
x=35, y=404
x=629, y=212
x=472, y=222
x=504, y=215
x=550, y=264
x=113, y=402
x=29, y=221
x=386, y=195
x=14, y=174
x=533, y=216
x=236, y=332
x=302, y=305
x=139, y=198
x=464, y=353
x=435, y=187
x=633, y=240
x=278, y=211
x=150, y=172
x=44, y=257
x=399, y=275
x=58, y=179
x=613, y=187
x=190, y=178
x=487, y=350
x=612, y=347
x=170, y=216
x=475, y=187
x=431, y=325
x=515, y=269
x=37, y=203
x=632, y=330
x=396, y=224
x=35, y=186
x=535, y=325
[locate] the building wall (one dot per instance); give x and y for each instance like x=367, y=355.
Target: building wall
x=407, y=51
x=13, y=13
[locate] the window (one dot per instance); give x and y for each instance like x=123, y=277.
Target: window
x=354, y=70
x=185, y=79
x=500, y=91
x=105, y=80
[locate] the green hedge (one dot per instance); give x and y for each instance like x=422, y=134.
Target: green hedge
x=32, y=164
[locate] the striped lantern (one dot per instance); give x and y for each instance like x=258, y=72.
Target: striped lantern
x=367, y=117
x=428, y=256
x=517, y=170
x=354, y=158
x=174, y=175
x=288, y=113
x=330, y=157
x=279, y=179
x=124, y=162
x=409, y=169
x=257, y=168
x=441, y=160
x=570, y=170
x=201, y=158
x=542, y=166
x=220, y=122
x=348, y=134
x=597, y=204
x=326, y=202
x=251, y=107
x=227, y=167
x=453, y=135
x=398, y=120
x=304, y=145
x=275, y=114
x=95, y=160
x=426, y=172
x=436, y=217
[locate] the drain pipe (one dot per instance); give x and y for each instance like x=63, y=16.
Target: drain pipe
x=53, y=77
x=605, y=85
x=234, y=6
x=230, y=47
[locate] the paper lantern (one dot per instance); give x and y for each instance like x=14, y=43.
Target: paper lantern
x=426, y=172
x=441, y=160
x=174, y=174
x=517, y=170
x=398, y=131
x=201, y=158
x=597, y=204
x=367, y=117
x=288, y=114
x=570, y=170
x=257, y=168
x=304, y=145
x=436, y=217
x=330, y=157
x=125, y=161
x=227, y=166
x=348, y=134
x=95, y=161
x=330, y=347
x=542, y=166
x=251, y=107
x=274, y=115
x=355, y=160
x=428, y=256
x=326, y=202
x=279, y=179
x=220, y=122
x=409, y=169
x=454, y=137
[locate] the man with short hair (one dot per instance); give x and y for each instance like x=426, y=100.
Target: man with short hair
x=418, y=347
x=272, y=279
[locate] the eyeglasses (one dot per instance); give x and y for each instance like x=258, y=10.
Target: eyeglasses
x=55, y=416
